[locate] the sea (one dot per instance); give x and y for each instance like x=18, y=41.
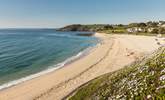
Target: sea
x=29, y=53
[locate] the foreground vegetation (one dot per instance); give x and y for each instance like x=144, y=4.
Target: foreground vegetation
x=144, y=79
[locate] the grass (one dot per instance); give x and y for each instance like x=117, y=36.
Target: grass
x=110, y=31
x=145, y=79
x=124, y=31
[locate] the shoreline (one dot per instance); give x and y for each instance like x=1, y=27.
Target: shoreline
x=54, y=68
x=112, y=53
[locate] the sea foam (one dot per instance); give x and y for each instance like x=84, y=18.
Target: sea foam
x=50, y=69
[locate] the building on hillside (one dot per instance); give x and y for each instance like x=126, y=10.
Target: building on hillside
x=136, y=29
x=161, y=23
x=151, y=29
x=130, y=30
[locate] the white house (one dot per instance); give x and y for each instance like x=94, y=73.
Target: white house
x=150, y=29
x=130, y=30
x=135, y=29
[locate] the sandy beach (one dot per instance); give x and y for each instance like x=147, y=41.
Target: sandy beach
x=113, y=53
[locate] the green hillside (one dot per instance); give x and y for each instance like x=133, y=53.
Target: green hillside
x=144, y=79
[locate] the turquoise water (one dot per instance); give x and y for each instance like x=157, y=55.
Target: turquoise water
x=25, y=52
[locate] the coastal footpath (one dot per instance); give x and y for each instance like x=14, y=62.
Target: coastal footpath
x=111, y=54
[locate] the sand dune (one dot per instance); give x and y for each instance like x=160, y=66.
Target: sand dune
x=113, y=53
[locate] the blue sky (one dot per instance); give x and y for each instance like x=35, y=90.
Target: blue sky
x=58, y=13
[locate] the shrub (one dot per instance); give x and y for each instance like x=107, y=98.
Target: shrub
x=161, y=30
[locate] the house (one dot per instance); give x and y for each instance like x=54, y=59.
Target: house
x=130, y=30
x=136, y=29
x=150, y=29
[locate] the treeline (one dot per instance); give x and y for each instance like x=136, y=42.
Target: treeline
x=148, y=27
x=91, y=28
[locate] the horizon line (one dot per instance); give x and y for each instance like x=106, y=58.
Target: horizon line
x=33, y=27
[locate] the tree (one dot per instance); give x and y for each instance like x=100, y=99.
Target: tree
x=108, y=27
x=142, y=25
x=162, y=22
x=155, y=31
x=161, y=30
x=120, y=25
x=133, y=25
x=152, y=24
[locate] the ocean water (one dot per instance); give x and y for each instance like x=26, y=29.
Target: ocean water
x=28, y=53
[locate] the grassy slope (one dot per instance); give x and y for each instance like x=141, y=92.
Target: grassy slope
x=141, y=80
x=123, y=31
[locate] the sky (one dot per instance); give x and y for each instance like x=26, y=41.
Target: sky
x=58, y=13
